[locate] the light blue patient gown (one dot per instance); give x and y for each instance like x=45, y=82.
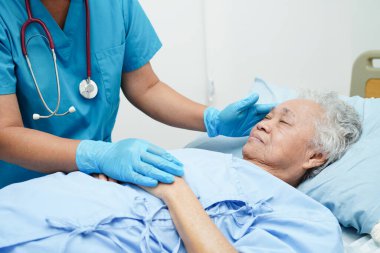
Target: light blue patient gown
x=255, y=211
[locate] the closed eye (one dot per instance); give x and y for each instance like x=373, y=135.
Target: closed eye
x=267, y=117
x=285, y=122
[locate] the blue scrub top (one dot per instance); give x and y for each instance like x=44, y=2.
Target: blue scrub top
x=122, y=40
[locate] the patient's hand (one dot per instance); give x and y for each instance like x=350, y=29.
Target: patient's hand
x=162, y=191
x=103, y=177
x=198, y=235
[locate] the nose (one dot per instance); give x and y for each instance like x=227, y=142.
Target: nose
x=264, y=125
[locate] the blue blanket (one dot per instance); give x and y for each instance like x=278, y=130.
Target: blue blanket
x=77, y=213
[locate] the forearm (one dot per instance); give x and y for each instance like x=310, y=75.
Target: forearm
x=144, y=90
x=168, y=106
x=36, y=150
x=196, y=229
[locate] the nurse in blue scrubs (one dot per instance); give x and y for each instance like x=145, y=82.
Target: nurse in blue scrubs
x=115, y=55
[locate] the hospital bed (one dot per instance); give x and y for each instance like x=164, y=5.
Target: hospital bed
x=366, y=84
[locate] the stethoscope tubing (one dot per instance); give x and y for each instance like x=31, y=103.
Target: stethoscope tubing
x=32, y=20
x=39, y=91
x=49, y=38
x=88, y=40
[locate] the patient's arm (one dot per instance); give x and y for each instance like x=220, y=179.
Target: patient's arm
x=196, y=229
x=103, y=177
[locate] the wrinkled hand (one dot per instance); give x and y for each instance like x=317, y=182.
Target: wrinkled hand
x=237, y=119
x=130, y=160
x=162, y=191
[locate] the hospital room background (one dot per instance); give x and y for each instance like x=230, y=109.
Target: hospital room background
x=217, y=52
x=213, y=49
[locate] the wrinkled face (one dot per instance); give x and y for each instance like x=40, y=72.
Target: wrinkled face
x=282, y=140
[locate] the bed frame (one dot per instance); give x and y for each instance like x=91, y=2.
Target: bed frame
x=365, y=80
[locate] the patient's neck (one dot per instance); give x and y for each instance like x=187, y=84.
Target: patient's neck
x=281, y=173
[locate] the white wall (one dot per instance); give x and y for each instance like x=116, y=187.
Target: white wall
x=365, y=26
x=180, y=63
x=297, y=43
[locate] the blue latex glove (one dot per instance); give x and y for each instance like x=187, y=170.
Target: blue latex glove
x=237, y=119
x=131, y=160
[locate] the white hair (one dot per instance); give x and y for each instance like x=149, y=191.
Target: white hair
x=335, y=131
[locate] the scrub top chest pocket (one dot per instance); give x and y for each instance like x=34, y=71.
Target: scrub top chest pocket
x=110, y=64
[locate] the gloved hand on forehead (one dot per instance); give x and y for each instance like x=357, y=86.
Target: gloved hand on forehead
x=131, y=160
x=237, y=119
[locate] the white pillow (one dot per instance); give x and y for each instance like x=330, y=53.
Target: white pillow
x=272, y=93
x=348, y=187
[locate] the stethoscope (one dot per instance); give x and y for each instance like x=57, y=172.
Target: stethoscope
x=87, y=88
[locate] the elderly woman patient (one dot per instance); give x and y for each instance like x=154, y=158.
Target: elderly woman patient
x=223, y=203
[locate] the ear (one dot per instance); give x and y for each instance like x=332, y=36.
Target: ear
x=313, y=160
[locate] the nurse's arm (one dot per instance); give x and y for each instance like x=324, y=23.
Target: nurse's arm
x=31, y=149
x=198, y=232
x=144, y=90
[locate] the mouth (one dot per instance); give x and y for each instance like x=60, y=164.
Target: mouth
x=256, y=138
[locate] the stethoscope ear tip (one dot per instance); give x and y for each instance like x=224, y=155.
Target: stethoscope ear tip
x=36, y=116
x=72, y=109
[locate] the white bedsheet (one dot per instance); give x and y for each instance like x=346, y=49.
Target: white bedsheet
x=354, y=243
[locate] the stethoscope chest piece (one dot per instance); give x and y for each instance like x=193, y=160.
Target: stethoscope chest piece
x=88, y=89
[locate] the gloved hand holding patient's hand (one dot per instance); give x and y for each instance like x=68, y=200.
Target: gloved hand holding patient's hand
x=131, y=160
x=103, y=177
x=237, y=119
x=162, y=191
